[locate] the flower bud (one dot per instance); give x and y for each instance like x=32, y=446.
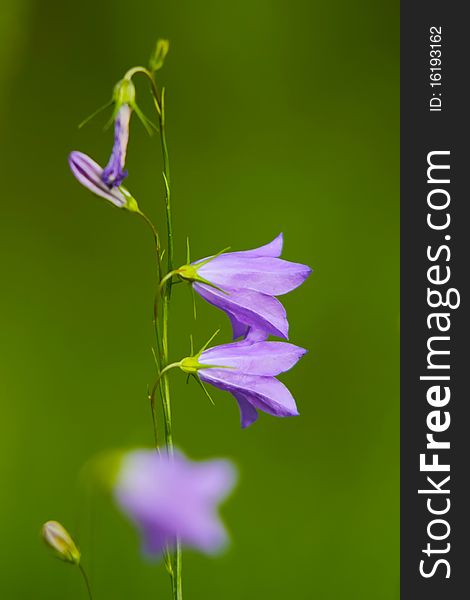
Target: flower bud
x=58, y=538
x=158, y=57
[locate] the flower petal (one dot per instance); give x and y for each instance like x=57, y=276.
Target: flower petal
x=214, y=479
x=256, y=310
x=89, y=173
x=248, y=413
x=170, y=497
x=272, y=276
x=260, y=358
x=256, y=335
x=239, y=329
x=114, y=173
x=265, y=393
x=273, y=249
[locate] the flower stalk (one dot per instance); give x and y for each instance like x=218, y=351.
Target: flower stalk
x=162, y=298
x=86, y=581
x=164, y=294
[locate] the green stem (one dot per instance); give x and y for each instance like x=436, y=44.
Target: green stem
x=167, y=180
x=161, y=358
x=158, y=292
x=160, y=375
x=162, y=381
x=86, y=580
x=167, y=277
x=165, y=295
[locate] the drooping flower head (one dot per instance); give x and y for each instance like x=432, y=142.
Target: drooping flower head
x=248, y=370
x=89, y=174
x=114, y=173
x=245, y=285
x=124, y=104
x=170, y=497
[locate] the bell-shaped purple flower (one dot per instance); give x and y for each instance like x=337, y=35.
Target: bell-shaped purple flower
x=114, y=173
x=170, y=497
x=245, y=285
x=89, y=174
x=248, y=370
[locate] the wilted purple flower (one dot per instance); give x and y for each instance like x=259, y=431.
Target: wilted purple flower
x=244, y=285
x=247, y=370
x=172, y=497
x=114, y=174
x=89, y=174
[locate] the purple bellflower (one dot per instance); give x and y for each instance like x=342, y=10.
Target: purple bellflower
x=170, y=497
x=248, y=370
x=114, y=173
x=245, y=285
x=89, y=174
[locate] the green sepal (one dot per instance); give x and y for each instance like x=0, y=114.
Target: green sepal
x=204, y=389
x=95, y=113
x=148, y=124
x=189, y=272
x=193, y=294
x=216, y=333
x=191, y=364
x=131, y=203
x=124, y=93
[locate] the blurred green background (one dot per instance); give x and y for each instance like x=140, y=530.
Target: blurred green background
x=282, y=115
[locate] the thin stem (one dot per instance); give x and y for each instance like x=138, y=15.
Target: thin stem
x=86, y=580
x=155, y=234
x=179, y=567
x=166, y=383
x=155, y=423
x=167, y=277
x=167, y=180
x=151, y=78
x=166, y=402
x=160, y=279
x=160, y=375
x=162, y=381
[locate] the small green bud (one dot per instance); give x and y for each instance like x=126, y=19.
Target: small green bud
x=59, y=539
x=158, y=57
x=124, y=93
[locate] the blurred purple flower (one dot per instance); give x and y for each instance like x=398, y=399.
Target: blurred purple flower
x=114, y=174
x=173, y=497
x=244, y=285
x=247, y=371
